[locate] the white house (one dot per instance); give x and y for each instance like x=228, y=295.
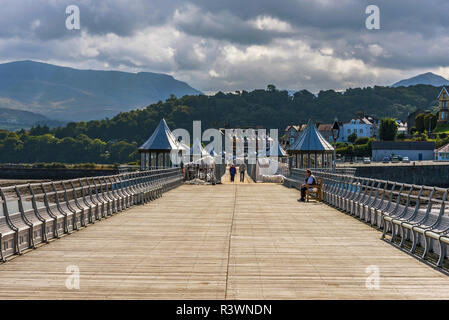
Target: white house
x=402, y=127
x=442, y=154
x=362, y=127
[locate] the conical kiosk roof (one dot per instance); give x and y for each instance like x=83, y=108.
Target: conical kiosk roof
x=162, y=139
x=311, y=140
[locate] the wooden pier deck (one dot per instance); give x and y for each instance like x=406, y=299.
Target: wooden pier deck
x=241, y=241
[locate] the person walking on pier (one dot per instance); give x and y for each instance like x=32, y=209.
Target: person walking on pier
x=232, y=172
x=242, y=169
x=310, y=181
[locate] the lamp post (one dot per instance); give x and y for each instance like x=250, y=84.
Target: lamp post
x=335, y=135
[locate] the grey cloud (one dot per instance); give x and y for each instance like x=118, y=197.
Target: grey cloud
x=413, y=37
x=224, y=26
x=97, y=17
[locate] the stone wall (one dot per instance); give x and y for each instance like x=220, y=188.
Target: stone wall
x=431, y=175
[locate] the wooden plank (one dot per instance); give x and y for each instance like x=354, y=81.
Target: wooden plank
x=177, y=247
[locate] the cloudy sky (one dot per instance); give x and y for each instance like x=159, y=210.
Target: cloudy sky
x=236, y=44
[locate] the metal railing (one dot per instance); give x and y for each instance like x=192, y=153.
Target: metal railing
x=34, y=213
x=297, y=176
x=415, y=215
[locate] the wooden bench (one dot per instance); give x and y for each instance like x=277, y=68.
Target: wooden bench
x=314, y=191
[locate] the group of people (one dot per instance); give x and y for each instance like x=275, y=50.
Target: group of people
x=233, y=172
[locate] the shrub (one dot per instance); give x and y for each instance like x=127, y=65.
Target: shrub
x=362, y=140
x=419, y=136
x=401, y=136
x=352, y=137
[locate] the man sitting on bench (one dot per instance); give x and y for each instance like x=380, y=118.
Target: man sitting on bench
x=310, y=181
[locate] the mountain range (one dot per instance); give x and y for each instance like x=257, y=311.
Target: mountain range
x=77, y=95
x=34, y=92
x=425, y=78
x=11, y=119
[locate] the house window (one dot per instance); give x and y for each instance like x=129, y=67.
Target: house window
x=361, y=130
x=444, y=104
x=349, y=130
x=6, y=245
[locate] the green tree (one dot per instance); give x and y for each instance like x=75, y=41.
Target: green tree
x=271, y=88
x=401, y=136
x=430, y=122
x=388, y=129
x=352, y=137
x=420, y=123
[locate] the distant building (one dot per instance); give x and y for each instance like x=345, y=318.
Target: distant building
x=414, y=150
x=402, y=127
x=291, y=134
x=443, y=114
x=442, y=154
x=365, y=126
x=326, y=131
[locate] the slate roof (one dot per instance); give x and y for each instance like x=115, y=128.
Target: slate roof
x=162, y=139
x=444, y=149
x=403, y=145
x=325, y=127
x=297, y=128
x=444, y=89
